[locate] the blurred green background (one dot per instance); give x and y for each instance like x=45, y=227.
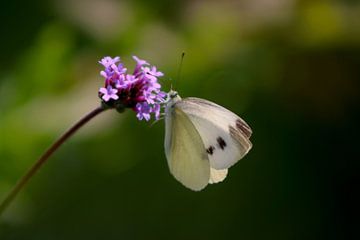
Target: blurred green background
x=289, y=68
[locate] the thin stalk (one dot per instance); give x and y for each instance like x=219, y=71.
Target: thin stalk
x=37, y=165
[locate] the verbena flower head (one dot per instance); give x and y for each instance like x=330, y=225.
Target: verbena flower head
x=139, y=91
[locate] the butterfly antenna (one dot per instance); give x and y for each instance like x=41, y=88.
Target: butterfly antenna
x=180, y=68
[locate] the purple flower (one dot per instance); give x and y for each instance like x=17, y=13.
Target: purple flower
x=120, y=82
x=113, y=71
x=109, y=93
x=108, y=61
x=152, y=73
x=139, y=64
x=156, y=110
x=143, y=111
x=130, y=78
x=139, y=91
x=119, y=69
x=140, y=61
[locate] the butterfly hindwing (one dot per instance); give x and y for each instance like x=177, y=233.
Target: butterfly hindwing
x=217, y=175
x=224, y=134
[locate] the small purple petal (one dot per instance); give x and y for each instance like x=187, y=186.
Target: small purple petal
x=140, y=61
x=156, y=73
x=103, y=73
x=130, y=78
x=156, y=110
x=139, y=64
x=103, y=90
x=151, y=74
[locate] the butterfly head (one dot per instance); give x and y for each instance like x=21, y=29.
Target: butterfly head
x=173, y=94
x=172, y=98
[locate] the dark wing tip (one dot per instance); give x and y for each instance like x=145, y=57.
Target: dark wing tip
x=243, y=127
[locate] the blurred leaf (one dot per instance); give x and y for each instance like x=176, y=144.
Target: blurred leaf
x=44, y=67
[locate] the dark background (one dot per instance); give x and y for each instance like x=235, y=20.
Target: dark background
x=289, y=68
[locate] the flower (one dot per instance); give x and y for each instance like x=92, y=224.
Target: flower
x=156, y=110
x=139, y=91
x=152, y=73
x=109, y=93
x=143, y=111
x=108, y=61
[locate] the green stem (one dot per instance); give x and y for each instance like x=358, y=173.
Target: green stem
x=36, y=166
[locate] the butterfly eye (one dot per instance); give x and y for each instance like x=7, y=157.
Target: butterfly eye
x=173, y=94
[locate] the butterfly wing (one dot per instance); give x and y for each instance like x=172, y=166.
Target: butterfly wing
x=224, y=134
x=185, y=151
x=217, y=175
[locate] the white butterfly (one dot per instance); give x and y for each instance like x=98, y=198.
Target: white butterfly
x=202, y=140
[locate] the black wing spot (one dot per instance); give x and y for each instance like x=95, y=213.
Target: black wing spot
x=221, y=142
x=210, y=150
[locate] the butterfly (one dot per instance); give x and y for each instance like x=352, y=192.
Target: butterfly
x=202, y=140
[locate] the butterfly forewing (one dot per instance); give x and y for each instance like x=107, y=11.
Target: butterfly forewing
x=185, y=151
x=224, y=134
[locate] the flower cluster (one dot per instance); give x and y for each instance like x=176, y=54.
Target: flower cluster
x=139, y=91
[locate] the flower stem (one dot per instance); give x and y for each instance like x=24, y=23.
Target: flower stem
x=36, y=166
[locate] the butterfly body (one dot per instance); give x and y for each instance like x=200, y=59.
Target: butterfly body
x=202, y=140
